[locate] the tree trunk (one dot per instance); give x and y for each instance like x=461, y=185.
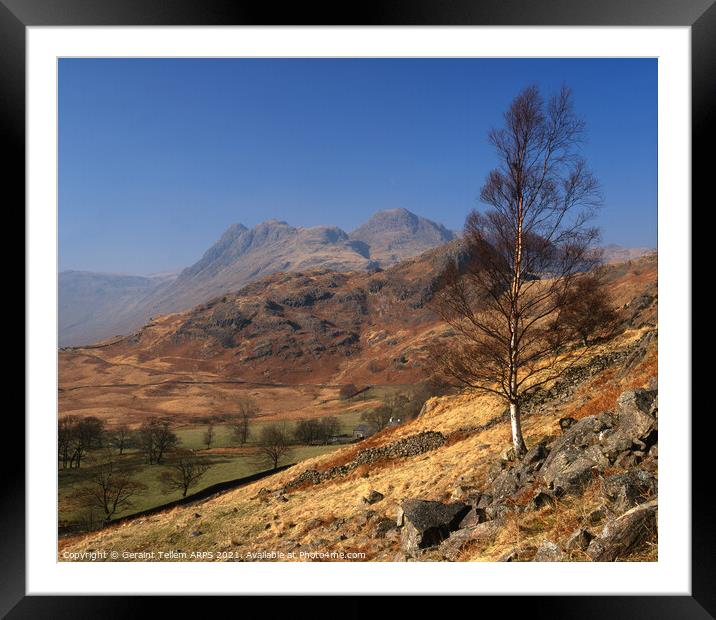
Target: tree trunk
x=518, y=442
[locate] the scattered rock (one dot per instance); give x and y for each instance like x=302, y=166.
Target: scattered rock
x=383, y=526
x=473, y=518
x=574, y=478
x=426, y=523
x=498, y=510
x=373, y=497
x=625, y=460
x=534, y=458
x=504, y=485
x=412, y=445
x=520, y=554
x=549, y=552
x=636, y=423
x=596, y=515
x=625, y=533
x=482, y=534
x=466, y=494
x=540, y=499
x=578, y=540
x=629, y=489
x=567, y=469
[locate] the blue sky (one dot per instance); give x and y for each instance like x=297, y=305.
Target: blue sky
x=158, y=157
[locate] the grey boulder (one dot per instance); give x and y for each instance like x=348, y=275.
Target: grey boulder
x=427, y=523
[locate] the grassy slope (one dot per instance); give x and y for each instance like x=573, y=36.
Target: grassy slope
x=240, y=521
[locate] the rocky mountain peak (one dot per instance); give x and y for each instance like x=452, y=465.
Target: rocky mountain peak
x=396, y=234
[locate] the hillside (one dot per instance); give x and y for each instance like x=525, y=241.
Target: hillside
x=595, y=480
x=581, y=478
x=95, y=306
x=288, y=333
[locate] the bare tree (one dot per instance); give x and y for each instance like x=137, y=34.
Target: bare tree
x=209, y=435
x=120, y=438
x=110, y=489
x=307, y=431
x=316, y=431
x=379, y=417
x=329, y=427
x=589, y=311
x=183, y=471
x=65, y=439
x=76, y=436
x=274, y=444
x=526, y=250
x=156, y=439
x=247, y=411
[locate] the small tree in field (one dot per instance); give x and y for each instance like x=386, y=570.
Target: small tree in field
x=110, y=488
x=120, y=438
x=508, y=304
x=307, y=431
x=183, y=471
x=156, y=439
x=246, y=411
x=76, y=437
x=209, y=435
x=274, y=444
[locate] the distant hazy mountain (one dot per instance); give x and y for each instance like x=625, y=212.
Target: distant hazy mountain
x=618, y=253
x=98, y=305
x=95, y=306
x=397, y=234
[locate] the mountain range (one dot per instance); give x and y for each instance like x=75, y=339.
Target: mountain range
x=95, y=306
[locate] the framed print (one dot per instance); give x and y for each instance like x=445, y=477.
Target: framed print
x=365, y=305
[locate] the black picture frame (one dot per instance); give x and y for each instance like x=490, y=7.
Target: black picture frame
x=700, y=15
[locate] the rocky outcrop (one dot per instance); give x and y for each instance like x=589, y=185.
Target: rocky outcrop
x=629, y=489
x=624, y=534
x=548, y=472
x=636, y=423
x=568, y=468
x=427, y=523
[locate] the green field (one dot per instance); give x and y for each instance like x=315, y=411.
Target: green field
x=224, y=467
